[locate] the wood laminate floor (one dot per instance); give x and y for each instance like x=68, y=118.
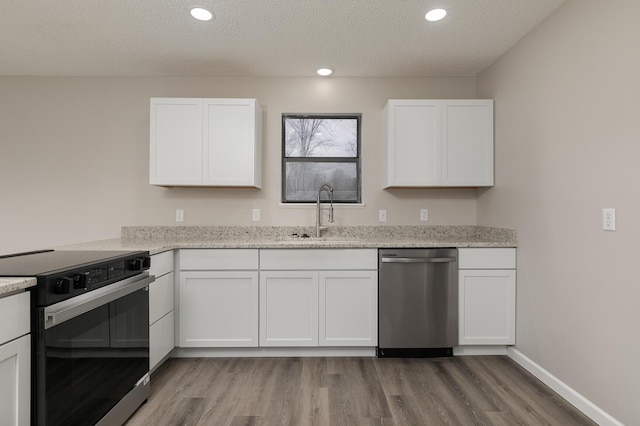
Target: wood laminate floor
x=479, y=390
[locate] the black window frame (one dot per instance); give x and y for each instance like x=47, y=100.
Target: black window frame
x=356, y=160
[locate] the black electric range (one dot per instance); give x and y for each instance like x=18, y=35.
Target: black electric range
x=90, y=333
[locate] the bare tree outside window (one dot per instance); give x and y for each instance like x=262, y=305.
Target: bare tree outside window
x=320, y=149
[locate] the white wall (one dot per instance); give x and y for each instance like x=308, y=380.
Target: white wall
x=74, y=156
x=567, y=107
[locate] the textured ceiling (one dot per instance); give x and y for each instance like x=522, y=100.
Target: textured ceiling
x=359, y=38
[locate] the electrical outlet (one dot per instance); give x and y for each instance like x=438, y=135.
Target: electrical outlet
x=255, y=215
x=179, y=215
x=608, y=219
x=382, y=215
x=424, y=215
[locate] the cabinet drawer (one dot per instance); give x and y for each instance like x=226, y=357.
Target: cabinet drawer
x=161, y=339
x=161, y=263
x=14, y=316
x=160, y=297
x=486, y=258
x=318, y=259
x=218, y=259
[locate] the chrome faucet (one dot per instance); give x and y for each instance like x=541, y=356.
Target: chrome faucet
x=319, y=227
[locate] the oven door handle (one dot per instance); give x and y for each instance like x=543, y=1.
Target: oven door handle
x=60, y=312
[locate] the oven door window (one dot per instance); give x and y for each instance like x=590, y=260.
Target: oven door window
x=95, y=359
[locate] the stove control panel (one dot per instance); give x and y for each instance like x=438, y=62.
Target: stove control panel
x=76, y=281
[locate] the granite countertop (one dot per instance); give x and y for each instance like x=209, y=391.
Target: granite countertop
x=157, y=239
x=10, y=285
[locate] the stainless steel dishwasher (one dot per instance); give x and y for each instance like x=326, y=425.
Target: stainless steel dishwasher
x=417, y=302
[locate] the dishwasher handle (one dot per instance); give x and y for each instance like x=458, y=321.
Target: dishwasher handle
x=418, y=259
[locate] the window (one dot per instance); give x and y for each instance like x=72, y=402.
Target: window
x=319, y=149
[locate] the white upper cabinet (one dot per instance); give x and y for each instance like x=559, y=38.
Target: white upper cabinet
x=438, y=143
x=176, y=142
x=467, y=143
x=413, y=146
x=205, y=142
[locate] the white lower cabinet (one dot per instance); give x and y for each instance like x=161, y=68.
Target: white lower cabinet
x=289, y=308
x=161, y=339
x=15, y=368
x=220, y=309
x=487, y=296
x=161, y=308
x=15, y=360
x=240, y=298
x=218, y=290
x=348, y=313
x=327, y=297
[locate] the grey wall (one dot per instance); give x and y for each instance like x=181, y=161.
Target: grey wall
x=74, y=156
x=567, y=145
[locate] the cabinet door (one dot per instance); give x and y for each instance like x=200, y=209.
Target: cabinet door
x=218, y=309
x=348, y=308
x=487, y=307
x=289, y=308
x=15, y=381
x=231, y=142
x=413, y=143
x=467, y=148
x=175, y=142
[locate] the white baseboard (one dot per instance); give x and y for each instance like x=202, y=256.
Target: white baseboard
x=587, y=407
x=273, y=352
x=480, y=350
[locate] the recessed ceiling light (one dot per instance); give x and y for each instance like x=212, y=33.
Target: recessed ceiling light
x=201, y=14
x=324, y=71
x=435, y=15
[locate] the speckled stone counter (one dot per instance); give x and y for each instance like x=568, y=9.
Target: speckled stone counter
x=10, y=285
x=156, y=239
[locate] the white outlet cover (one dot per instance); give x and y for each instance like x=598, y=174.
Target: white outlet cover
x=382, y=215
x=255, y=215
x=608, y=219
x=179, y=215
x=424, y=215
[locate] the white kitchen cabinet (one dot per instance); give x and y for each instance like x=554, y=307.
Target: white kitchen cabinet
x=318, y=297
x=175, y=152
x=15, y=360
x=161, y=340
x=218, y=308
x=205, y=142
x=438, y=143
x=289, y=308
x=348, y=308
x=487, y=296
x=161, y=308
x=218, y=298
